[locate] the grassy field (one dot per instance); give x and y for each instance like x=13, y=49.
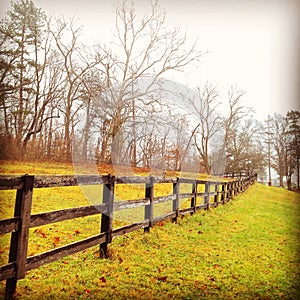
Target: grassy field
x=247, y=249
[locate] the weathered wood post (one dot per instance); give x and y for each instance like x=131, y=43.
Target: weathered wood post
x=149, y=193
x=223, y=196
x=232, y=192
x=226, y=192
x=19, y=239
x=206, y=196
x=107, y=218
x=216, y=197
x=176, y=200
x=194, y=198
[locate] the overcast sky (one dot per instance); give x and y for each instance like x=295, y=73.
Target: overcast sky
x=254, y=44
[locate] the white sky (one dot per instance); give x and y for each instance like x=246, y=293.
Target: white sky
x=254, y=44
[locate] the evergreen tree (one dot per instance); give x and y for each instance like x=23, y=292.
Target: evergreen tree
x=22, y=33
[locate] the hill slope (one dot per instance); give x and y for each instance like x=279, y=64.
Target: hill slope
x=247, y=249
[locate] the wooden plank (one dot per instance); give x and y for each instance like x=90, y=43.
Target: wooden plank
x=36, y=261
x=190, y=180
x=164, y=217
x=186, y=195
x=91, y=179
x=43, y=181
x=130, y=204
x=202, y=206
x=9, y=225
x=132, y=179
x=161, y=179
x=8, y=182
x=129, y=228
x=161, y=199
x=66, y=214
x=7, y=271
x=185, y=211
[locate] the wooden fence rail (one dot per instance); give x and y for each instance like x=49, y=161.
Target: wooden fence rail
x=19, y=263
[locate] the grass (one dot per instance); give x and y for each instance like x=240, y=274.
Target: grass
x=10, y=167
x=247, y=249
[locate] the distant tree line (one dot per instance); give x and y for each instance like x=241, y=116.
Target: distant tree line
x=284, y=138
x=62, y=99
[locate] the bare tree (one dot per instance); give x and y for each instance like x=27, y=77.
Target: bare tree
x=205, y=106
x=285, y=144
x=246, y=148
x=76, y=65
x=145, y=51
x=236, y=112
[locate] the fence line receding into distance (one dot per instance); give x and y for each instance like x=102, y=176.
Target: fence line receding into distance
x=214, y=192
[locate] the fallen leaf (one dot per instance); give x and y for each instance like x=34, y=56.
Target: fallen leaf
x=216, y=266
x=40, y=232
x=102, y=279
x=162, y=278
x=203, y=287
x=56, y=241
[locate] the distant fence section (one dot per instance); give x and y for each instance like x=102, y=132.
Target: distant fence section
x=213, y=193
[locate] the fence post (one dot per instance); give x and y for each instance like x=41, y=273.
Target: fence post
x=107, y=218
x=227, y=186
x=206, y=196
x=19, y=239
x=216, y=198
x=149, y=193
x=223, y=195
x=231, y=187
x=232, y=193
x=176, y=200
x=194, y=198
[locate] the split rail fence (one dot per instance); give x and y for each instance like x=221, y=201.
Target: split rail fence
x=212, y=194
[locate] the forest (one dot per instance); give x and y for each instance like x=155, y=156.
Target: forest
x=62, y=100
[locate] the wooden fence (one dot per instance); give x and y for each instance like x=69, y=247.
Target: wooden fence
x=215, y=193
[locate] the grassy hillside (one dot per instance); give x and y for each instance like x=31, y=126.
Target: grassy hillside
x=247, y=249
x=9, y=167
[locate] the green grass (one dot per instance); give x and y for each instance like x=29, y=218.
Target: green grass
x=247, y=249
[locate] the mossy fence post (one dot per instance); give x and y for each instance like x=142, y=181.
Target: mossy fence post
x=207, y=193
x=216, y=197
x=107, y=218
x=149, y=194
x=19, y=238
x=175, y=204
